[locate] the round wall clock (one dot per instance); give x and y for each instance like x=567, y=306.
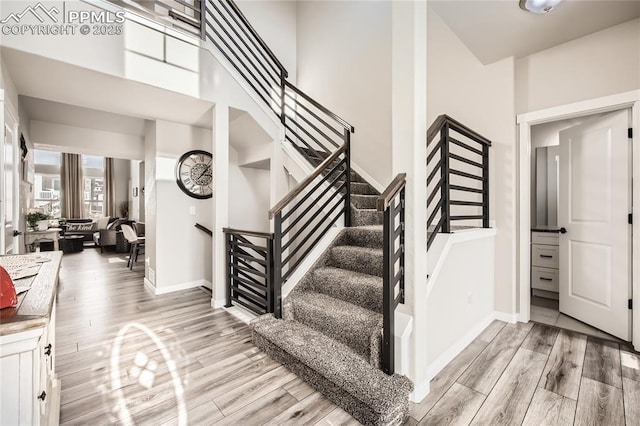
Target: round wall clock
x=194, y=174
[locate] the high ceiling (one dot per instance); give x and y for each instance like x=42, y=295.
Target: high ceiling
x=494, y=30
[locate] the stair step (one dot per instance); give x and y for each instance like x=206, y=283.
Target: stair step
x=359, y=259
x=363, y=188
x=354, y=326
x=363, y=290
x=365, y=236
x=364, y=201
x=366, y=393
x=363, y=217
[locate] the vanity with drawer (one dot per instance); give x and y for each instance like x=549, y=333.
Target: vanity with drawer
x=545, y=262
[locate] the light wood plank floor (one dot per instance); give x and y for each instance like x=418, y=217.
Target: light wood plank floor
x=511, y=374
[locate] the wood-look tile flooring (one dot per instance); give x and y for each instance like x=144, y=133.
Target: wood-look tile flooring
x=535, y=374
x=528, y=374
x=226, y=379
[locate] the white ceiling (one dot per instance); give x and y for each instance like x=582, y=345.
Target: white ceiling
x=494, y=30
x=70, y=115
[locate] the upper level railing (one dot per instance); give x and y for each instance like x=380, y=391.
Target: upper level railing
x=457, y=177
x=391, y=203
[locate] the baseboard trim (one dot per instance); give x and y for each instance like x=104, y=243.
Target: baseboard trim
x=448, y=356
x=182, y=286
x=149, y=285
x=215, y=304
x=366, y=176
x=506, y=317
x=420, y=391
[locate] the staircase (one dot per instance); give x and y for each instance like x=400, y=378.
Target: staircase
x=332, y=326
x=335, y=329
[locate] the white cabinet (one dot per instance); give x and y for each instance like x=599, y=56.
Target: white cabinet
x=29, y=389
x=544, y=264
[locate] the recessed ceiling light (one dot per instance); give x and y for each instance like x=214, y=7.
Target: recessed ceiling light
x=538, y=6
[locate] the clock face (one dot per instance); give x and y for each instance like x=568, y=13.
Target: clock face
x=194, y=174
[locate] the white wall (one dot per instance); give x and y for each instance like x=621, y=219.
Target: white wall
x=344, y=62
x=276, y=23
x=250, y=201
x=78, y=140
x=183, y=253
x=460, y=300
x=600, y=64
x=150, y=200
x=482, y=97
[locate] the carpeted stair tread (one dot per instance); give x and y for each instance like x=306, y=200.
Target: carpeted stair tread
x=351, y=325
x=360, y=289
x=362, y=217
x=361, y=201
x=363, y=188
x=365, y=260
x=365, y=236
x=368, y=394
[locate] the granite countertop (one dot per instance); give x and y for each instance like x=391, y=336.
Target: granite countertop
x=545, y=228
x=34, y=306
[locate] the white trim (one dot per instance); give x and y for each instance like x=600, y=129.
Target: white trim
x=366, y=176
x=420, y=391
x=507, y=317
x=149, y=285
x=241, y=313
x=447, y=356
x=615, y=102
x=216, y=304
x=182, y=286
x=450, y=240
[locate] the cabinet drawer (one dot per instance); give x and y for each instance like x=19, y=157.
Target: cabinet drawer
x=544, y=279
x=545, y=256
x=547, y=238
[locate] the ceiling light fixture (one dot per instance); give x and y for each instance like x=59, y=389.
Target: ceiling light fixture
x=538, y=6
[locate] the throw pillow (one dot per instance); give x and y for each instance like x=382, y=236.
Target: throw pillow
x=102, y=222
x=74, y=227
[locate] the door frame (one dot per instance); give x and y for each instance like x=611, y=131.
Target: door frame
x=6, y=107
x=625, y=100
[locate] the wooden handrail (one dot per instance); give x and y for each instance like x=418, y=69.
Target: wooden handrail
x=258, y=38
x=305, y=183
x=250, y=233
x=391, y=191
x=203, y=228
x=458, y=126
x=320, y=107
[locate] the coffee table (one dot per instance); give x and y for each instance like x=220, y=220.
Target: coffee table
x=72, y=243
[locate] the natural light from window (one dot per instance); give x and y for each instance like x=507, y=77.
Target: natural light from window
x=47, y=182
x=93, y=174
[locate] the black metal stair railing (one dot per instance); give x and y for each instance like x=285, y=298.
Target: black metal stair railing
x=457, y=176
x=392, y=203
x=249, y=270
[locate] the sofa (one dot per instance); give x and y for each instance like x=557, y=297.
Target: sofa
x=111, y=236
x=83, y=227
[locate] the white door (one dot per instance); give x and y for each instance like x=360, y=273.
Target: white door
x=595, y=200
x=8, y=193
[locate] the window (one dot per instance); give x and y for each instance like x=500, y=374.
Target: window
x=47, y=182
x=93, y=173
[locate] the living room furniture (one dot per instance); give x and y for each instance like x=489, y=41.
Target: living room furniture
x=111, y=237
x=136, y=242
x=29, y=389
x=72, y=243
x=33, y=238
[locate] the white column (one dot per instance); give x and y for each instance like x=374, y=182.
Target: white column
x=279, y=184
x=409, y=127
x=220, y=201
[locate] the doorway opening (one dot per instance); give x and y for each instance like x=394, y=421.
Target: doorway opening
x=575, y=268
